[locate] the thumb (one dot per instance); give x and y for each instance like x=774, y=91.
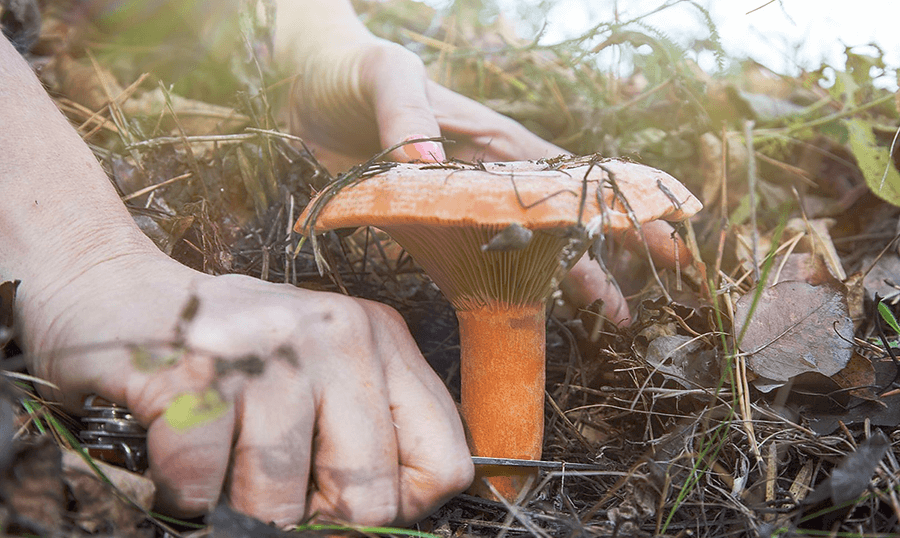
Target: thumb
x=397, y=81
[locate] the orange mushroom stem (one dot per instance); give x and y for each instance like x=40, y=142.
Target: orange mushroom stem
x=500, y=299
x=497, y=241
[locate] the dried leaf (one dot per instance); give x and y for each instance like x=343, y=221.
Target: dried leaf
x=137, y=487
x=88, y=85
x=20, y=21
x=713, y=167
x=858, y=377
x=225, y=522
x=796, y=328
x=99, y=508
x=8, y=425
x=764, y=107
x=817, y=240
x=883, y=411
x=849, y=480
x=814, y=393
x=856, y=294
x=32, y=488
x=803, y=267
x=680, y=359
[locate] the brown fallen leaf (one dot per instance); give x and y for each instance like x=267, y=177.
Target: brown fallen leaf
x=137, y=487
x=796, y=328
x=21, y=23
x=814, y=393
x=682, y=360
x=711, y=164
x=856, y=297
x=802, y=267
x=884, y=411
x=831, y=501
x=31, y=488
x=225, y=522
x=817, y=240
x=858, y=377
x=99, y=509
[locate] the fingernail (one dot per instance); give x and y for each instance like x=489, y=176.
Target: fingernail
x=425, y=151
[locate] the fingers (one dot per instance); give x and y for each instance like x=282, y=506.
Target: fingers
x=189, y=435
x=408, y=105
x=274, y=404
x=355, y=458
x=435, y=463
x=587, y=282
x=333, y=112
x=355, y=463
x=356, y=375
x=481, y=133
x=188, y=462
x=397, y=80
x=271, y=459
x=666, y=247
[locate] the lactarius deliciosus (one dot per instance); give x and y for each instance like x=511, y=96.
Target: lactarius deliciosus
x=497, y=240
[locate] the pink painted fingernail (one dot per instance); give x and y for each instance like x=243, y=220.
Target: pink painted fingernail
x=425, y=151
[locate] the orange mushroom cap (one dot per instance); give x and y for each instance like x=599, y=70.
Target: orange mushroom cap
x=427, y=208
x=533, y=194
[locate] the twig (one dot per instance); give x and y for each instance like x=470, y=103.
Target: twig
x=152, y=188
x=197, y=139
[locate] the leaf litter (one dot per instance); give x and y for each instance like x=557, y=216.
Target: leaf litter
x=690, y=428
x=795, y=328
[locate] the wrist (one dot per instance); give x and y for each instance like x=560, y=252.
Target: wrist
x=94, y=283
x=58, y=239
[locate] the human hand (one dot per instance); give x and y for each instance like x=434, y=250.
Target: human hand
x=302, y=387
x=588, y=282
x=353, y=100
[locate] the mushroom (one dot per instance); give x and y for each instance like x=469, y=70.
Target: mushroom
x=497, y=239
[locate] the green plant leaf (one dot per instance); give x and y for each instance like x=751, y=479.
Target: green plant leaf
x=888, y=316
x=874, y=161
x=845, y=88
x=192, y=409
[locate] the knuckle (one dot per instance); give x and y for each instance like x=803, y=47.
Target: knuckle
x=341, y=316
x=383, y=311
x=392, y=53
